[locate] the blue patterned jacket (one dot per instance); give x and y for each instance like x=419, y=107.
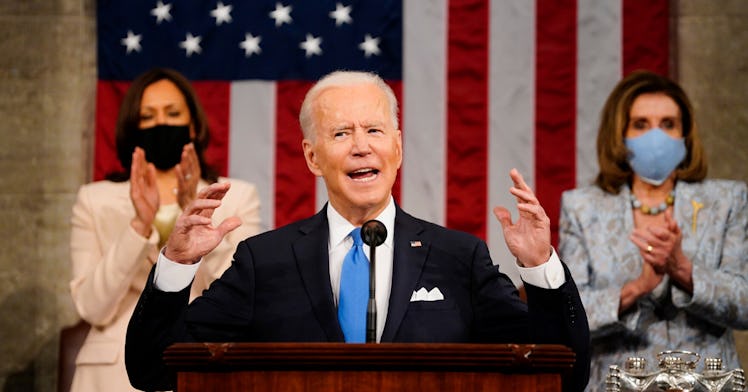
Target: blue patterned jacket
x=594, y=242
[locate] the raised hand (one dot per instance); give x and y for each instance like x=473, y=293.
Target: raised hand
x=194, y=235
x=529, y=238
x=143, y=193
x=188, y=175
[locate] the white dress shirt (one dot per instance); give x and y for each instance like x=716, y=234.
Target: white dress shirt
x=339, y=245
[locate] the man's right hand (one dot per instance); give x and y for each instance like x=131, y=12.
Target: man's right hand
x=194, y=235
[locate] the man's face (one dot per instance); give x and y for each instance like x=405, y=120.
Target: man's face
x=355, y=149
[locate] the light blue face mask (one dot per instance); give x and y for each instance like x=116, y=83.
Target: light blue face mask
x=654, y=155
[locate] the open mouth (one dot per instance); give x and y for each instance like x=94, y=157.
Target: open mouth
x=364, y=174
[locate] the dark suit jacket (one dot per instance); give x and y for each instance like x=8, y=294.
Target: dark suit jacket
x=278, y=289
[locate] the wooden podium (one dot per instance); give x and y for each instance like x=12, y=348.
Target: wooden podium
x=368, y=367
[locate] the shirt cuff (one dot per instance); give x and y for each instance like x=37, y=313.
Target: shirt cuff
x=171, y=276
x=549, y=275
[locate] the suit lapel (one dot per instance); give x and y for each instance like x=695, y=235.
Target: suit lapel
x=312, y=260
x=408, y=259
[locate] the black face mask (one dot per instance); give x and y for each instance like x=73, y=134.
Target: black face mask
x=163, y=144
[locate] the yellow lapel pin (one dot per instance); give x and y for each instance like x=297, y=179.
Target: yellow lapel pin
x=696, y=208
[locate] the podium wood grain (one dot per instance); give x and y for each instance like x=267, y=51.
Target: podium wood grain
x=368, y=367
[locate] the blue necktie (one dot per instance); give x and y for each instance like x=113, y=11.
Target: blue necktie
x=354, y=290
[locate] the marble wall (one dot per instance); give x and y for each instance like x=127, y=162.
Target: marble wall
x=712, y=64
x=47, y=87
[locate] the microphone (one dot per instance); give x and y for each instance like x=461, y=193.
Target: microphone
x=373, y=233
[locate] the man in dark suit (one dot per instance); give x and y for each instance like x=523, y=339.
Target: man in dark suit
x=433, y=284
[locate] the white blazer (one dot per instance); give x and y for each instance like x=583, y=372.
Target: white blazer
x=110, y=264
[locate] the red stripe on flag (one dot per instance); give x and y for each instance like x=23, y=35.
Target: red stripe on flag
x=109, y=96
x=646, y=36
x=215, y=98
x=467, y=116
x=295, y=185
x=555, y=104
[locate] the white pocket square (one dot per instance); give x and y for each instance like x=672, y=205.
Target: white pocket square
x=427, y=295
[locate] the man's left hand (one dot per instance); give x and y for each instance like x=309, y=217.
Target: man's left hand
x=529, y=238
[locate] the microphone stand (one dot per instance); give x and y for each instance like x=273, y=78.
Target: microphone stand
x=373, y=233
x=371, y=307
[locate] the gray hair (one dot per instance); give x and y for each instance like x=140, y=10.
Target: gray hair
x=342, y=79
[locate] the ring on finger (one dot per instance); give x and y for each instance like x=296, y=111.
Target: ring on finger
x=649, y=248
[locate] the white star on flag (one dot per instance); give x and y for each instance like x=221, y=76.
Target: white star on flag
x=281, y=14
x=312, y=45
x=341, y=14
x=191, y=44
x=370, y=46
x=132, y=41
x=161, y=12
x=251, y=44
x=222, y=13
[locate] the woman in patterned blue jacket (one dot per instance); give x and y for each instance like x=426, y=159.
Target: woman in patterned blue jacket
x=659, y=253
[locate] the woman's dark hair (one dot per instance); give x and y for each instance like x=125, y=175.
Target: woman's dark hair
x=612, y=154
x=128, y=121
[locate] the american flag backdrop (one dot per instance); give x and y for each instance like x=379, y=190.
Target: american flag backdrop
x=484, y=86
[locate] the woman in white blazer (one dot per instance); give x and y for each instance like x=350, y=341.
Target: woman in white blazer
x=161, y=135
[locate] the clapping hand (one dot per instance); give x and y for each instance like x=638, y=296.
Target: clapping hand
x=529, y=238
x=660, y=247
x=143, y=193
x=194, y=235
x=188, y=174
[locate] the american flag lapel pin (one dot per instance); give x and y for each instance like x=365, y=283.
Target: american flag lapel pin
x=415, y=244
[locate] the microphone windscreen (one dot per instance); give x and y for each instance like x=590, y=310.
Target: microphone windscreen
x=373, y=233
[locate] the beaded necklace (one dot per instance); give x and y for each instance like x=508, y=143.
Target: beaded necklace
x=647, y=210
